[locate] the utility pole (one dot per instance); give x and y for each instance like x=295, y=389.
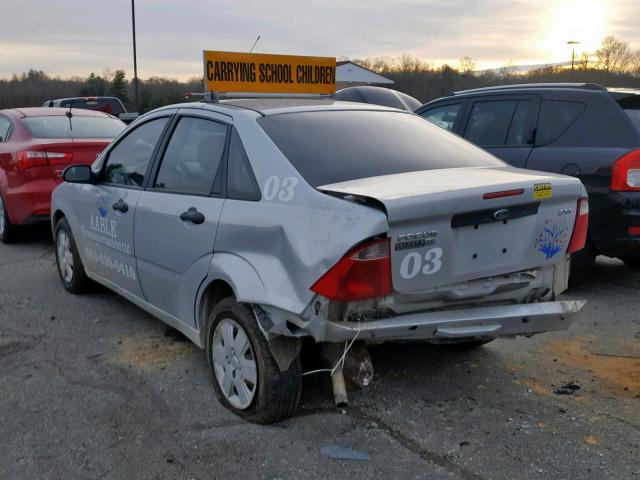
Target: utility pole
x=573, y=52
x=135, y=61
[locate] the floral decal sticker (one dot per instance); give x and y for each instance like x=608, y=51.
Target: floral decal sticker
x=553, y=238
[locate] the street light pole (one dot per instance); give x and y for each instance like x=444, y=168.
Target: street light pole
x=573, y=52
x=135, y=61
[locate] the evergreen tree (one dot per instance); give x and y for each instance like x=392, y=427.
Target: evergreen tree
x=118, y=87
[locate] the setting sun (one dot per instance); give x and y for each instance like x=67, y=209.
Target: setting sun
x=579, y=21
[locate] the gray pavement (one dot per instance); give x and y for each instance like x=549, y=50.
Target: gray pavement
x=91, y=387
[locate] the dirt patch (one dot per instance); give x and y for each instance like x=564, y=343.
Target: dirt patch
x=618, y=371
x=151, y=353
x=535, y=387
x=590, y=440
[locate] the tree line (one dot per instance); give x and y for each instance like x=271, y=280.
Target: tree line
x=613, y=64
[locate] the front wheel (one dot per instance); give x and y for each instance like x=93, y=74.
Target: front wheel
x=70, y=268
x=245, y=375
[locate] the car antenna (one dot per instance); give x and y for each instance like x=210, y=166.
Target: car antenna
x=69, y=114
x=254, y=44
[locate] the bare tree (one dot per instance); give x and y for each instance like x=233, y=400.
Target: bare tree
x=582, y=63
x=634, y=64
x=508, y=71
x=613, y=55
x=467, y=66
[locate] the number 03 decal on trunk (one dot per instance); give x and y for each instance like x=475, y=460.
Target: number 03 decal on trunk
x=427, y=264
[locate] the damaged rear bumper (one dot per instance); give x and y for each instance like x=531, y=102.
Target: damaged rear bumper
x=496, y=321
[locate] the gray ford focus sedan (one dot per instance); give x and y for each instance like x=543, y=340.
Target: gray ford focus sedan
x=252, y=225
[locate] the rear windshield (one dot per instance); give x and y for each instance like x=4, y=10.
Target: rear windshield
x=110, y=106
x=336, y=146
x=75, y=127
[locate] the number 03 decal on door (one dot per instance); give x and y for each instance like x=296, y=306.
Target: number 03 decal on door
x=282, y=188
x=414, y=263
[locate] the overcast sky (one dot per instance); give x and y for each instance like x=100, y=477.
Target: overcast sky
x=76, y=37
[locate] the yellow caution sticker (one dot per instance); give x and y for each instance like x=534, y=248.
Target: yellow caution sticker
x=266, y=73
x=542, y=190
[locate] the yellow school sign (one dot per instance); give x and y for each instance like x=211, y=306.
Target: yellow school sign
x=265, y=73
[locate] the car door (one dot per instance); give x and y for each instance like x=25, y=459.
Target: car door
x=106, y=208
x=504, y=126
x=177, y=216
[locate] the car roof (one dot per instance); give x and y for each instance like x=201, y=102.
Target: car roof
x=90, y=97
x=533, y=86
x=273, y=106
x=53, y=112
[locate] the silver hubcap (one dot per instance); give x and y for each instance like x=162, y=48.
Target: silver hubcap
x=64, y=256
x=234, y=363
x=1, y=217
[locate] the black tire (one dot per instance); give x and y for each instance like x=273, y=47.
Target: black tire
x=79, y=282
x=632, y=259
x=8, y=231
x=277, y=393
x=583, y=263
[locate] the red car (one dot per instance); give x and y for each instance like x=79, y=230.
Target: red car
x=36, y=144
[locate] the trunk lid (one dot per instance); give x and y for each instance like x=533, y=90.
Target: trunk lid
x=76, y=151
x=443, y=230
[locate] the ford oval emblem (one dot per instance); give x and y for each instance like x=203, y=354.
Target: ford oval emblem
x=501, y=214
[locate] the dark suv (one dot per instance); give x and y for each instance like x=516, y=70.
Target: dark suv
x=110, y=105
x=584, y=130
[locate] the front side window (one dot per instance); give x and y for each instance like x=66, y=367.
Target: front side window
x=241, y=182
x=192, y=157
x=128, y=160
x=490, y=123
x=444, y=117
x=5, y=126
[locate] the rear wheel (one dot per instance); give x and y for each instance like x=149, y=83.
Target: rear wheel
x=7, y=230
x=583, y=263
x=632, y=259
x=246, y=377
x=70, y=268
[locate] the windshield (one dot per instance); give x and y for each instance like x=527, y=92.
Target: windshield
x=75, y=127
x=336, y=146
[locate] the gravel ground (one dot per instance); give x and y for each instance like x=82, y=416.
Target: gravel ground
x=91, y=387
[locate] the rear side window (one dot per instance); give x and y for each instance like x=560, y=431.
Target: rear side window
x=444, y=117
x=556, y=116
x=497, y=123
x=192, y=157
x=128, y=160
x=335, y=146
x=241, y=182
x=5, y=126
x=75, y=127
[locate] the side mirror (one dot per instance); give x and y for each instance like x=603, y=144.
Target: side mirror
x=77, y=174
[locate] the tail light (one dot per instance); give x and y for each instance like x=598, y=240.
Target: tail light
x=364, y=272
x=34, y=158
x=579, y=235
x=625, y=174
